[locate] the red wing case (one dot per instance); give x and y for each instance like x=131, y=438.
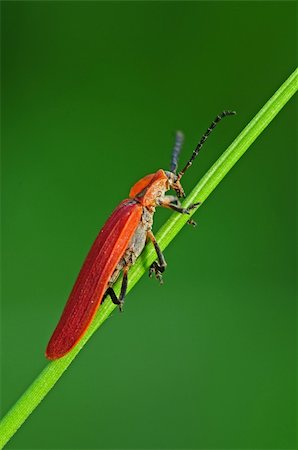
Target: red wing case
x=92, y=281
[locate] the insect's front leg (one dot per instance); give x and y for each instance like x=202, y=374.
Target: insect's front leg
x=172, y=202
x=110, y=291
x=157, y=268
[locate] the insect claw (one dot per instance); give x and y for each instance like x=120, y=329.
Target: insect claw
x=154, y=270
x=192, y=222
x=158, y=276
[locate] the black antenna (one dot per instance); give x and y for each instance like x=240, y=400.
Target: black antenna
x=179, y=139
x=203, y=139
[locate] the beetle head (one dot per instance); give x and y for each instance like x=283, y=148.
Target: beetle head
x=174, y=183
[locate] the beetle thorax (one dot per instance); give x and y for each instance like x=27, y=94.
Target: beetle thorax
x=150, y=190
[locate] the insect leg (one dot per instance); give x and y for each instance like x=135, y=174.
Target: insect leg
x=110, y=291
x=157, y=268
x=123, y=288
x=173, y=203
x=181, y=210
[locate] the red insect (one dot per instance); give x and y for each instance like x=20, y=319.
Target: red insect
x=117, y=246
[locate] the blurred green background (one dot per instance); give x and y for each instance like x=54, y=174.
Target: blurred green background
x=92, y=93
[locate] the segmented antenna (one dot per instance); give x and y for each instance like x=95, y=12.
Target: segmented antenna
x=179, y=139
x=203, y=139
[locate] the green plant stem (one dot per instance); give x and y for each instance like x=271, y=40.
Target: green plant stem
x=52, y=372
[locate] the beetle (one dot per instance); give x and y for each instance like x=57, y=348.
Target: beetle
x=118, y=245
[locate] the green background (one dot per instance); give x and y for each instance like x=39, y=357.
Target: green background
x=91, y=96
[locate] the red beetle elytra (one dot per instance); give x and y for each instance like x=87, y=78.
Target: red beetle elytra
x=117, y=246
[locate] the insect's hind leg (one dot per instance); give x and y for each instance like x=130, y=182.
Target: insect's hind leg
x=110, y=291
x=157, y=268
